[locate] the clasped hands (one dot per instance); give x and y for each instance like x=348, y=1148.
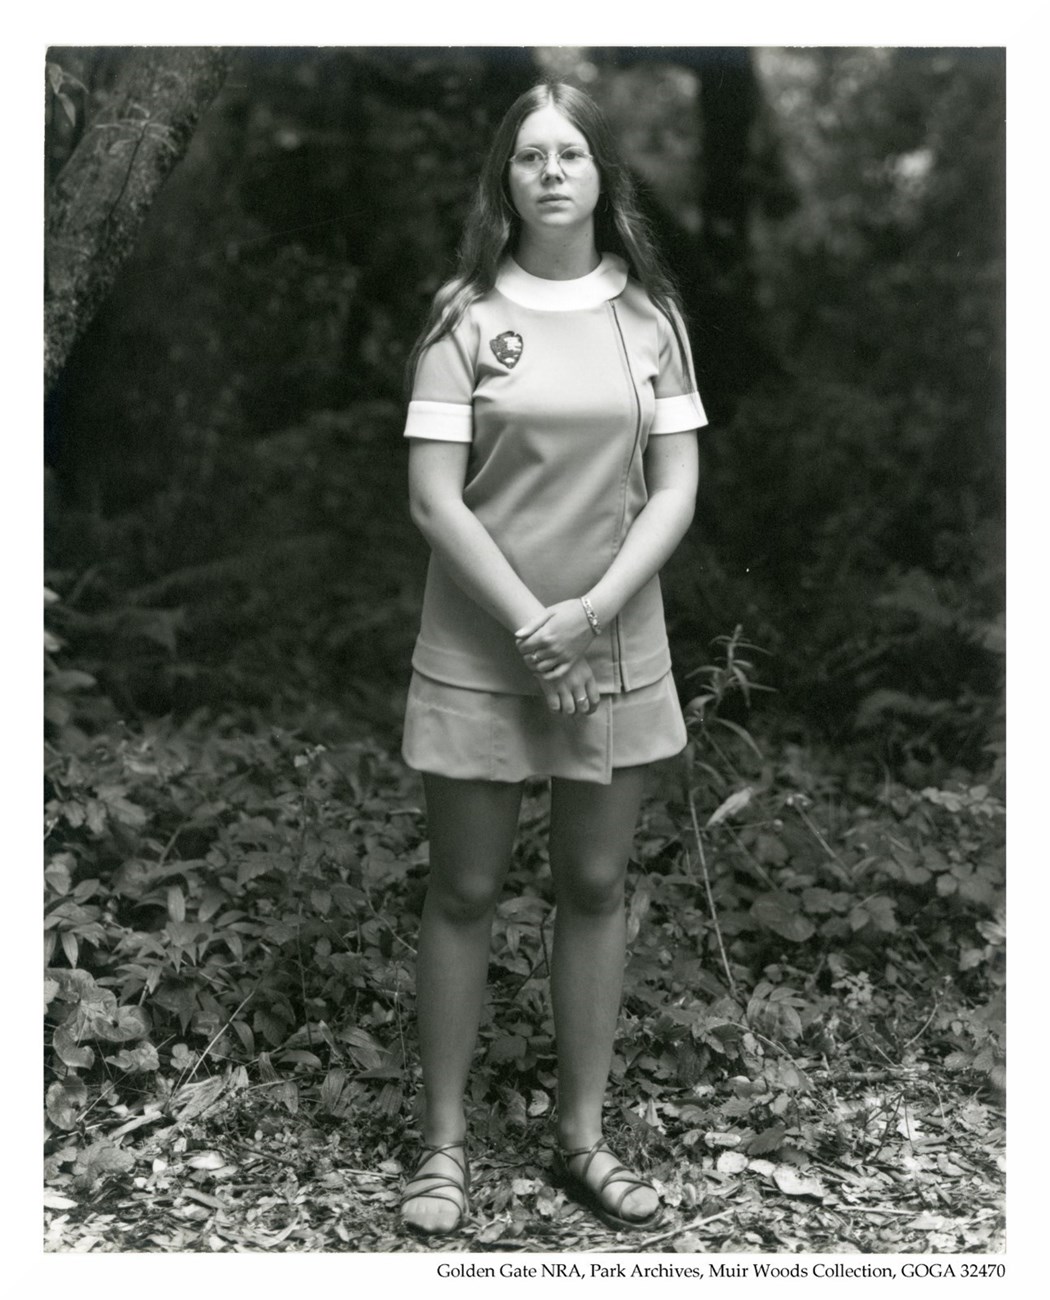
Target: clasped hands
x=552, y=645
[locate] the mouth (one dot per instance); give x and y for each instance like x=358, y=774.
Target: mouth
x=555, y=198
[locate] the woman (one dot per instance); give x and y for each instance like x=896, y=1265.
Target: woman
x=552, y=469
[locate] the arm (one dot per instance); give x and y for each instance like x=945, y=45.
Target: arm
x=560, y=634
x=436, y=474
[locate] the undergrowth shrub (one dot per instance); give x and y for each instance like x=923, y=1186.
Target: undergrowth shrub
x=228, y=902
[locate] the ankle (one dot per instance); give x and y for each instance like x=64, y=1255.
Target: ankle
x=578, y=1136
x=444, y=1131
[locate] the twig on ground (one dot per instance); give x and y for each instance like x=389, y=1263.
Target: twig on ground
x=868, y=1209
x=183, y=1081
x=382, y=919
x=646, y=1242
x=753, y=863
x=266, y=1155
x=710, y=895
x=926, y=1023
x=886, y=1127
x=814, y=830
x=871, y=1076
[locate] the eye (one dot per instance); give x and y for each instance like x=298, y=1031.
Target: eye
x=575, y=153
x=529, y=158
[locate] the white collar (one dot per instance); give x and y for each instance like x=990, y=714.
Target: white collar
x=607, y=280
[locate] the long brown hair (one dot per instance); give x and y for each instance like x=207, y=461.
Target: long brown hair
x=493, y=224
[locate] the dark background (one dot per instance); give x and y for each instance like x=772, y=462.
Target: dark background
x=224, y=442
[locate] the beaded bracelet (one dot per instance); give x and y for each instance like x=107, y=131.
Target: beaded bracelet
x=592, y=617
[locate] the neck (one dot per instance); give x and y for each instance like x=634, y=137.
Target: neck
x=562, y=256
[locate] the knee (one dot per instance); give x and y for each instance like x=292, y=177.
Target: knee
x=595, y=890
x=463, y=901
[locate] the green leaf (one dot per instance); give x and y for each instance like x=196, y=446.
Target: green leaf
x=64, y=1100
x=780, y=913
x=121, y=1026
x=176, y=903
x=508, y=1048
x=300, y=1057
x=287, y=1094
x=332, y=1090
x=142, y=1059
x=69, y=1051
x=768, y=1140
x=877, y=912
x=70, y=946
x=100, y=1159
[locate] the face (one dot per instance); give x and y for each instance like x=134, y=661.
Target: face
x=551, y=200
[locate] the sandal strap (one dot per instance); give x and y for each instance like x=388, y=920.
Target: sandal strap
x=436, y=1183
x=618, y=1174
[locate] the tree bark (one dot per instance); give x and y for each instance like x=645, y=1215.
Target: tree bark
x=99, y=200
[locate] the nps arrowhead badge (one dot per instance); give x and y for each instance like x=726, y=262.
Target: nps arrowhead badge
x=507, y=348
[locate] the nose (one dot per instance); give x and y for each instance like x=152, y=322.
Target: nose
x=552, y=164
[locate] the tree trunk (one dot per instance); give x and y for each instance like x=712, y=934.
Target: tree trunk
x=99, y=200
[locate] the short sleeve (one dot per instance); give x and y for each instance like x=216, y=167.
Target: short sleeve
x=441, y=406
x=678, y=404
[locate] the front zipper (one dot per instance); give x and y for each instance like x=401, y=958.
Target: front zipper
x=627, y=474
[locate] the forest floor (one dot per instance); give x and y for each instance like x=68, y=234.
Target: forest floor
x=245, y=1175
x=810, y=1050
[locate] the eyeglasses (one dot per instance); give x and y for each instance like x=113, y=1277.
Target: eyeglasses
x=572, y=161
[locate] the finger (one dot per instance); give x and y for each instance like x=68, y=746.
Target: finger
x=541, y=661
x=568, y=702
x=582, y=697
x=554, y=702
x=533, y=625
x=593, y=693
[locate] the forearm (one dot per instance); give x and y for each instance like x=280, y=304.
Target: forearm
x=555, y=639
x=651, y=541
x=475, y=562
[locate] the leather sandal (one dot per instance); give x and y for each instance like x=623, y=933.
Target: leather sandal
x=438, y=1187
x=592, y=1197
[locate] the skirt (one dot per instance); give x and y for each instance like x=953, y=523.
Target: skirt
x=485, y=736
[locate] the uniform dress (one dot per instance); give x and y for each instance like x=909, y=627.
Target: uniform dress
x=557, y=385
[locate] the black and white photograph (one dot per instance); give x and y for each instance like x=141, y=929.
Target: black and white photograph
x=524, y=547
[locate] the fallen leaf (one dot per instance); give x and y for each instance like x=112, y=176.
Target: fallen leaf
x=206, y=1160
x=540, y=1103
x=192, y=1099
x=792, y=1183
x=716, y=1139
x=731, y=1162
x=688, y=1244
x=492, y=1232
x=927, y=1222
x=52, y=1201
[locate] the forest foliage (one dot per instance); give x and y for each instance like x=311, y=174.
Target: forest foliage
x=235, y=859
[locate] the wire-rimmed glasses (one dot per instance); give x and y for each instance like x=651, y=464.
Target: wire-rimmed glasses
x=531, y=161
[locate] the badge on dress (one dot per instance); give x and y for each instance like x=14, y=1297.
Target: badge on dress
x=507, y=348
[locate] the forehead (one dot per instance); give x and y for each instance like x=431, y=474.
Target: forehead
x=548, y=125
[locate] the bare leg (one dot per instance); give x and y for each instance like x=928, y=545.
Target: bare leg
x=472, y=825
x=592, y=829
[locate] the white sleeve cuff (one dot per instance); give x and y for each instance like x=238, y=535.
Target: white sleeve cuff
x=442, y=421
x=678, y=414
